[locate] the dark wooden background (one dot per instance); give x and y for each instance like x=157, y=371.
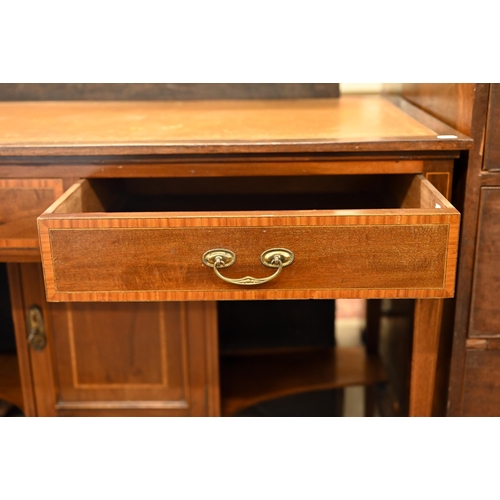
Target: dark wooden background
x=163, y=91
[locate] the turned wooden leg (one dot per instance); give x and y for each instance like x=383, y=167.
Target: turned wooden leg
x=427, y=327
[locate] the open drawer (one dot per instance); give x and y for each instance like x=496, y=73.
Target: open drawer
x=378, y=236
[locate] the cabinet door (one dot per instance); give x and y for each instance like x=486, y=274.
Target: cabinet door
x=149, y=358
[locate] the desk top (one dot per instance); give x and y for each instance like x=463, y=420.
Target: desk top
x=347, y=124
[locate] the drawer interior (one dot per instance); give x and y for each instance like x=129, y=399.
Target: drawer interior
x=252, y=193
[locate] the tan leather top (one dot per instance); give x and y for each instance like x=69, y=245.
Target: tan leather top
x=32, y=127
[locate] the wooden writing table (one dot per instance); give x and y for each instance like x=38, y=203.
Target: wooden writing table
x=355, y=187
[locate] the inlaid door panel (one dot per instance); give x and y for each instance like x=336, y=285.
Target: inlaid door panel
x=116, y=352
x=118, y=359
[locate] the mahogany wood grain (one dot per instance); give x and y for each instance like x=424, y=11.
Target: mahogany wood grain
x=451, y=103
x=412, y=251
x=396, y=338
x=120, y=359
x=135, y=359
x=20, y=255
x=490, y=178
x=21, y=202
x=219, y=168
x=308, y=125
x=492, y=144
x=210, y=321
x=41, y=362
x=441, y=181
x=249, y=379
x=473, y=182
x=410, y=150
x=465, y=107
x=109, y=353
x=433, y=322
x=443, y=128
x=442, y=380
x=494, y=344
x=441, y=178
x=426, y=332
x=204, y=359
x=440, y=175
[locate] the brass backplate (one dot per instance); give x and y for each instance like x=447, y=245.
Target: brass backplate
x=226, y=257
x=35, y=327
x=268, y=258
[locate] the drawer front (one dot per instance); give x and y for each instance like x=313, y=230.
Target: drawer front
x=22, y=201
x=397, y=253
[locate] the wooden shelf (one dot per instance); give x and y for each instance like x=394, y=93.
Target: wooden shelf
x=248, y=379
x=10, y=381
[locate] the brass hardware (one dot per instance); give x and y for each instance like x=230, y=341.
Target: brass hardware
x=220, y=256
x=36, y=329
x=268, y=258
x=275, y=258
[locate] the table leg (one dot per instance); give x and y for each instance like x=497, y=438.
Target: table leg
x=426, y=332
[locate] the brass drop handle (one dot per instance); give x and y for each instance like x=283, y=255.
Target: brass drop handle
x=220, y=258
x=36, y=329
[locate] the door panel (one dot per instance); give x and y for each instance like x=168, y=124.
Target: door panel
x=120, y=352
x=118, y=359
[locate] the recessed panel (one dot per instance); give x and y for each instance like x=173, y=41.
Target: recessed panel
x=121, y=352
